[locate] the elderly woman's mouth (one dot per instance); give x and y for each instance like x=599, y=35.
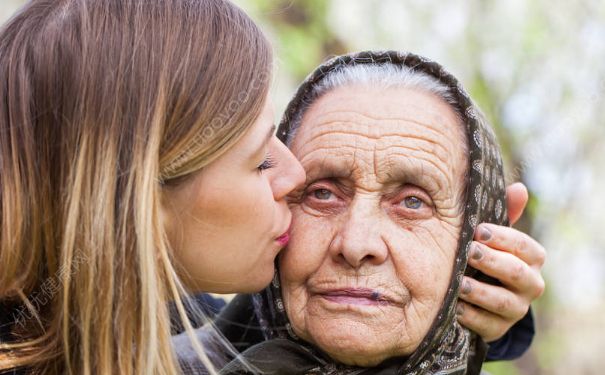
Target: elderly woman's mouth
x=359, y=296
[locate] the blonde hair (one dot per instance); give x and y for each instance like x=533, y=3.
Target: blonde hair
x=102, y=103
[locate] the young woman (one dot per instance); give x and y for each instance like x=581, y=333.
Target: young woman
x=137, y=162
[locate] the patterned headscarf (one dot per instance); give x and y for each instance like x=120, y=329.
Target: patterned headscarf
x=448, y=348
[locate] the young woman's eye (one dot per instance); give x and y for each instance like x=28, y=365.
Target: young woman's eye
x=268, y=163
x=322, y=194
x=412, y=202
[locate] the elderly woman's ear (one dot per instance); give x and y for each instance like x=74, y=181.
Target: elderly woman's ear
x=510, y=256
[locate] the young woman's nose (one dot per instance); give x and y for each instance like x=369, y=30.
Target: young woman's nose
x=289, y=173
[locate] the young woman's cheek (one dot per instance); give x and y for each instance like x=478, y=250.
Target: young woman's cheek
x=260, y=209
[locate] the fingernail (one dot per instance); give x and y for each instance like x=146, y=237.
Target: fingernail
x=459, y=309
x=476, y=252
x=466, y=287
x=484, y=234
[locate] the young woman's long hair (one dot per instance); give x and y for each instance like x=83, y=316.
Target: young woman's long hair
x=102, y=104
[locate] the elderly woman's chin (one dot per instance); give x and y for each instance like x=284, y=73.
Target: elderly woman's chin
x=359, y=335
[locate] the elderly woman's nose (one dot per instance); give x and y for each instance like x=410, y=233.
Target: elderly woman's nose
x=288, y=175
x=360, y=239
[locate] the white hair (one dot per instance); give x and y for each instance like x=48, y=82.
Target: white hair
x=382, y=76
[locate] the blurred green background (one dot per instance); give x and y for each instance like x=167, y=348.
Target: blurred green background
x=537, y=69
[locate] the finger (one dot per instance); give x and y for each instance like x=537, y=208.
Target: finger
x=487, y=325
x=512, y=241
x=495, y=299
x=516, y=200
x=508, y=269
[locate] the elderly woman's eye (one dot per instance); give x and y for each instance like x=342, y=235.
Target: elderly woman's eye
x=323, y=198
x=412, y=202
x=322, y=194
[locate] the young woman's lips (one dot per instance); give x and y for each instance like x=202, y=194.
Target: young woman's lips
x=283, y=239
x=356, y=296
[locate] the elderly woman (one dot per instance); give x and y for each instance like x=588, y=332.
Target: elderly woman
x=400, y=169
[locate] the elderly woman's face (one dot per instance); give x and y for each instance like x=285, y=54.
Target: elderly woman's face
x=376, y=229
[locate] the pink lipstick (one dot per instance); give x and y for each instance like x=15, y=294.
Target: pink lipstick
x=283, y=239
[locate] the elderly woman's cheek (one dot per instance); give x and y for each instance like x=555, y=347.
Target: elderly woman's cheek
x=423, y=255
x=310, y=237
x=309, y=241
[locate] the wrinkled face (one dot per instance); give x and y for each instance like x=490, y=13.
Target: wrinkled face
x=226, y=223
x=376, y=229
